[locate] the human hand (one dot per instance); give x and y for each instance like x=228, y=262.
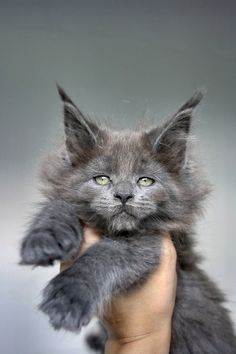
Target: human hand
x=139, y=321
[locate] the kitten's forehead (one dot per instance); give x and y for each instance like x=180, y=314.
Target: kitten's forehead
x=125, y=149
x=127, y=139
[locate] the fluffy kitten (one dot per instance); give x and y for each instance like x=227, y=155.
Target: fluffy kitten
x=132, y=186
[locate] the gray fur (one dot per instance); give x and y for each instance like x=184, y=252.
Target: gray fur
x=54, y=234
x=131, y=219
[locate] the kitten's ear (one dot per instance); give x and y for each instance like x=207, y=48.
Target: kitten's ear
x=80, y=133
x=170, y=141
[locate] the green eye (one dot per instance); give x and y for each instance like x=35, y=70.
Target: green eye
x=145, y=181
x=102, y=180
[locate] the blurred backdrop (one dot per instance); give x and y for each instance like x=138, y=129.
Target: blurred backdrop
x=119, y=60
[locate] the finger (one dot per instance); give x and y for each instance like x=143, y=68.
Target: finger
x=90, y=236
x=167, y=265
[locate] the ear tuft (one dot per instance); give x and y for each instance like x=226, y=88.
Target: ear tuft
x=64, y=97
x=193, y=101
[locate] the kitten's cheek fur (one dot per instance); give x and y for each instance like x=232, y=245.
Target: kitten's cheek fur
x=68, y=303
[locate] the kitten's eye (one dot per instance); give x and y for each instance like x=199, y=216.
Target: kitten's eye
x=102, y=180
x=145, y=181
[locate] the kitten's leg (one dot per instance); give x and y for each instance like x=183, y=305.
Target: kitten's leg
x=105, y=269
x=53, y=234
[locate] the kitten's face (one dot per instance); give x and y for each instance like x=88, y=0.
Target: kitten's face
x=124, y=185
x=128, y=180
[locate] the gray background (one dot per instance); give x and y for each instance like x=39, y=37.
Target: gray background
x=120, y=60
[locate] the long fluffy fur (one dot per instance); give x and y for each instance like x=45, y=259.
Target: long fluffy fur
x=131, y=244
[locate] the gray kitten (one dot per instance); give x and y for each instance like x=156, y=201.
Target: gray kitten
x=133, y=186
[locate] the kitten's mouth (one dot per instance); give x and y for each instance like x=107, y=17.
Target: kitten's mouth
x=126, y=211
x=123, y=220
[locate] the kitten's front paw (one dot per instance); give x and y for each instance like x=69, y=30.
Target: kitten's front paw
x=43, y=245
x=68, y=302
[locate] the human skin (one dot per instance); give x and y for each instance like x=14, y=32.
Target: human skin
x=139, y=321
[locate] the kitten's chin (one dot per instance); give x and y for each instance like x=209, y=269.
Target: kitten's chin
x=123, y=222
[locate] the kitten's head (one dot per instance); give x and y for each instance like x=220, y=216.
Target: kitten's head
x=127, y=180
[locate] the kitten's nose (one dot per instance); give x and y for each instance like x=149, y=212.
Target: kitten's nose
x=123, y=197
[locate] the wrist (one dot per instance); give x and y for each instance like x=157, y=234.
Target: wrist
x=155, y=342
